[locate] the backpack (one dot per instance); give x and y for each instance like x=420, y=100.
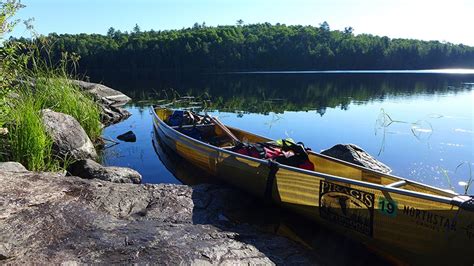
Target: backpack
x=294, y=154
x=176, y=118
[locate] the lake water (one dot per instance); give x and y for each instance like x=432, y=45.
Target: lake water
x=419, y=124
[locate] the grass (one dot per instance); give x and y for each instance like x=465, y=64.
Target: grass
x=60, y=95
x=28, y=142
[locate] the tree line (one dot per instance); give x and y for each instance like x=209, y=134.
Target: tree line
x=253, y=47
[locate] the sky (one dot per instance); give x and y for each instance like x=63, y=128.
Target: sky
x=448, y=20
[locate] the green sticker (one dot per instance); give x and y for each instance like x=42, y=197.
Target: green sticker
x=388, y=207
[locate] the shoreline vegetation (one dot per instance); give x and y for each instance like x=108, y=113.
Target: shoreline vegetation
x=28, y=141
x=31, y=83
x=253, y=47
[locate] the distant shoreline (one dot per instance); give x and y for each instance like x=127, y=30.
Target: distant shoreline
x=456, y=71
x=449, y=71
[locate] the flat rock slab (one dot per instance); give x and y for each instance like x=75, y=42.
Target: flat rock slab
x=46, y=218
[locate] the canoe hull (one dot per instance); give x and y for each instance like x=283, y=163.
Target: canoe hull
x=392, y=222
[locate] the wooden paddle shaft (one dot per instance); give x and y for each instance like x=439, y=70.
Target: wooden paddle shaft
x=225, y=129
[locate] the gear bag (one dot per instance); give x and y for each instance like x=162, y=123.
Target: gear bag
x=282, y=151
x=176, y=118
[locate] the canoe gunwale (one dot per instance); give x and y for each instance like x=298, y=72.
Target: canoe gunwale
x=456, y=200
x=397, y=178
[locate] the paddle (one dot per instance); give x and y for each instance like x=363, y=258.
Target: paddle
x=225, y=129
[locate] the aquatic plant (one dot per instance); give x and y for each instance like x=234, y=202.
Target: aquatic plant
x=466, y=184
x=417, y=128
x=447, y=177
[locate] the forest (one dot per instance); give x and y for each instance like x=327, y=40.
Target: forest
x=251, y=47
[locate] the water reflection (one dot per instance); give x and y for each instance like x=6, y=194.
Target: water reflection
x=185, y=172
x=260, y=93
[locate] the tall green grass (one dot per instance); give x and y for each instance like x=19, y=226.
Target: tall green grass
x=60, y=95
x=28, y=141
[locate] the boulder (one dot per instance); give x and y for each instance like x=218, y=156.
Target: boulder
x=99, y=91
x=110, y=101
x=79, y=221
x=354, y=154
x=128, y=136
x=90, y=169
x=70, y=141
x=12, y=167
x=112, y=114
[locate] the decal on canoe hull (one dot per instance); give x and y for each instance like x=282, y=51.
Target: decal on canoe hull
x=346, y=206
x=435, y=220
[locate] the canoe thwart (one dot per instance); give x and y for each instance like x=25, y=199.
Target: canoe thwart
x=400, y=183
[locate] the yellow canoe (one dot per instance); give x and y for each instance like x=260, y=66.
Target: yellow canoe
x=396, y=216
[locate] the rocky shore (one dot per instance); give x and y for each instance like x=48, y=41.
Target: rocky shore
x=71, y=142
x=49, y=218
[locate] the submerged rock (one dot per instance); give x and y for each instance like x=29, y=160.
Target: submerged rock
x=128, y=136
x=78, y=221
x=70, y=141
x=110, y=101
x=90, y=169
x=354, y=154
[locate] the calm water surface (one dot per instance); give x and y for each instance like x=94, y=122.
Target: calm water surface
x=421, y=125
